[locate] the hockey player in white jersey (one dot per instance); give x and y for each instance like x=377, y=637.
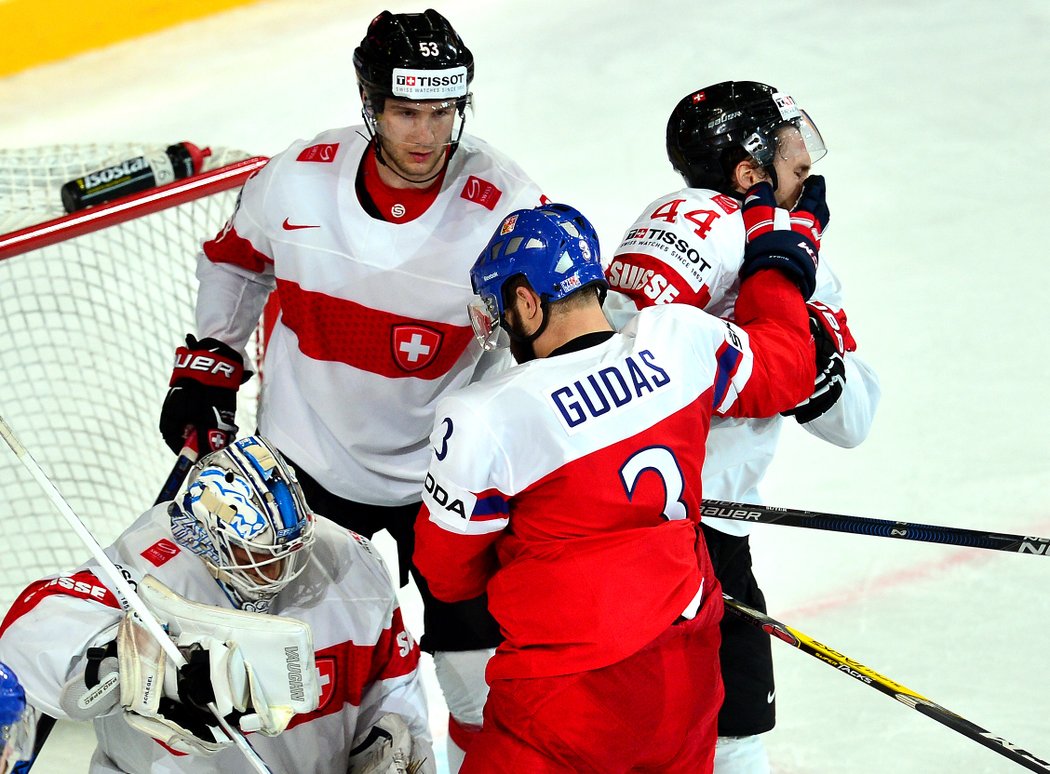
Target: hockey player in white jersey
x=367, y=233
x=569, y=487
x=687, y=248
x=289, y=625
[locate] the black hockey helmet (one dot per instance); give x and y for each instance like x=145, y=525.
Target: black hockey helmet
x=415, y=56
x=713, y=129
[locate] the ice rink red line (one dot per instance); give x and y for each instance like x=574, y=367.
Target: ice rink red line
x=879, y=585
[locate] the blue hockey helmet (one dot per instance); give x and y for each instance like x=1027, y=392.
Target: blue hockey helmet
x=553, y=246
x=17, y=721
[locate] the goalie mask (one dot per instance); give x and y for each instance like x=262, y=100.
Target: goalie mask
x=245, y=516
x=17, y=721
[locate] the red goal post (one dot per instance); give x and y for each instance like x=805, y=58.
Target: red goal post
x=92, y=306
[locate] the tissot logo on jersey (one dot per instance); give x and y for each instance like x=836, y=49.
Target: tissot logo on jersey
x=660, y=237
x=609, y=389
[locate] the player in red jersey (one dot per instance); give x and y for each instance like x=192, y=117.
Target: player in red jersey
x=569, y=488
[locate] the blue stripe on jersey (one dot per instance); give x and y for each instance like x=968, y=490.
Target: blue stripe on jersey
x=493, y=505
x=729, y=358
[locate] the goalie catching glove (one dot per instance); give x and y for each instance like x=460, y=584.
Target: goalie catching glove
x=202, y=396
x=258, y=671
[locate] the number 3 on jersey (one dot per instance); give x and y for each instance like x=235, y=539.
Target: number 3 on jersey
x=661, y=461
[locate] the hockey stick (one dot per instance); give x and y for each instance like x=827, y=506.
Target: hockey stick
x=895, y=690
x=121, y=585
x=179, y=470
x=861, y=525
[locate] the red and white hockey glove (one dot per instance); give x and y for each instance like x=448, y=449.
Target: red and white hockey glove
x=783, y=240
x=202, y=399
x=832, y=340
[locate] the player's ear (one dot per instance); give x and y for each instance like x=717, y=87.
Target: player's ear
x=530, y=301
x=746, y=173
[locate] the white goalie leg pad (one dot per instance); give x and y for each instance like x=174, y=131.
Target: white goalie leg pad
x=276, y=654
x=741, y=755
x=461, y=675
x=388, y=748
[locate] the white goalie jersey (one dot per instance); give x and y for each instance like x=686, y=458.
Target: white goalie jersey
x=366, y=660
x=686, y=248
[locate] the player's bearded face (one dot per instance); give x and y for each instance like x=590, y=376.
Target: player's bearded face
x=415, y=136
x=523, y=351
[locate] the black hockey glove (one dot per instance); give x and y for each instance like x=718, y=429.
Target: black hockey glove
x=202, y=399
x=832, y=340
x=787, y=241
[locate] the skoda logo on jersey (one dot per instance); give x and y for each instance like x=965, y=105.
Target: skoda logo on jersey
x=414, y=346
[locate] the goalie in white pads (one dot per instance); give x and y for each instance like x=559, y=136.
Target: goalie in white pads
x=289, y=626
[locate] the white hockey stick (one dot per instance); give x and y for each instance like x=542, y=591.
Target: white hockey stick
x=120, y=584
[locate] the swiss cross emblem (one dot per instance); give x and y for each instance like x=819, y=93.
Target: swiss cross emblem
x=415, y=346
x=326, y=671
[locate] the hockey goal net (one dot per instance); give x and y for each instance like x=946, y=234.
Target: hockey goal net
x=92, y=306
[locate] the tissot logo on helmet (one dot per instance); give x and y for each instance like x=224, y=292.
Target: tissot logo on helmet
x=429, y=84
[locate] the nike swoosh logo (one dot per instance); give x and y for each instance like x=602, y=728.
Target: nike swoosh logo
x=294, y=226
x=770, y=696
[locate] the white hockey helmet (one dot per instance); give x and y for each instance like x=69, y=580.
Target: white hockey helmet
x=247, y=519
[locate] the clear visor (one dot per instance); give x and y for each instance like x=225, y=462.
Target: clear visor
x=800, y=138
x=484, y=319
x=421, y=126
x=260, y=571
x=18, y=740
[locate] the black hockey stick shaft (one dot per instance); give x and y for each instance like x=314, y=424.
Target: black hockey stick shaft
x=862, y=525
x=891, y=688
x=179, y=471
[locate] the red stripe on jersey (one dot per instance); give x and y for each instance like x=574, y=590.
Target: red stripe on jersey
x=83, y=585
x=383, y=343
x=230, y=247
x=649, y=281
x=348, y=669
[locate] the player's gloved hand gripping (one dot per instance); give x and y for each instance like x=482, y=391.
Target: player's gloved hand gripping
x=202, y=398
x=785, y=240
x=832, y=340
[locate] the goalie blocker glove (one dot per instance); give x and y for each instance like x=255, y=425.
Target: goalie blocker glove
x=202, y=396
x=783, y=240
x=832, y=340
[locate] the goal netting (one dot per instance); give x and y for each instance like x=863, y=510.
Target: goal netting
x=92, y=306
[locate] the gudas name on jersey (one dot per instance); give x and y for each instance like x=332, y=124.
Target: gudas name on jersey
x=609, y=389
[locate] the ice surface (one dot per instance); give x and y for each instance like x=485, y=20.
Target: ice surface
x=936, y=118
